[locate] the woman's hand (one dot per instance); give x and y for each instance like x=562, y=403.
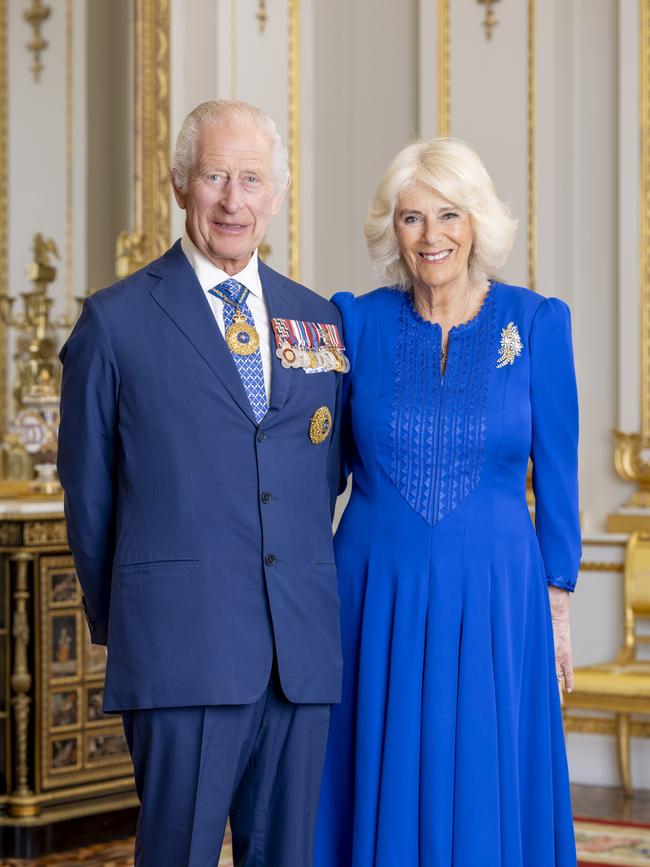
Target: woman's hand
x=561, y=620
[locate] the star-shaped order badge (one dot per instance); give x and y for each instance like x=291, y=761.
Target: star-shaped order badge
x=511, y=345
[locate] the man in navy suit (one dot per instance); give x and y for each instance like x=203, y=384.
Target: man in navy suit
x=198, y=451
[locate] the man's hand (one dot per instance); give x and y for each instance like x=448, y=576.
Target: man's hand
x=561, y=620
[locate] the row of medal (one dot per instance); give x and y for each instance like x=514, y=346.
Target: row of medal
x=313, y=346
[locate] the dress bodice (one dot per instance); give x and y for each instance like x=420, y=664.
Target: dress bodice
x=508, y=394
x=439, y=422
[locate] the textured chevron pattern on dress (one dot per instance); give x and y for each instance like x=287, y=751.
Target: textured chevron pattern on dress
x=438, y=424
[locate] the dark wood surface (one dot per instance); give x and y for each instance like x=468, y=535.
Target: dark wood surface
x=33, y=842
x=610, y=804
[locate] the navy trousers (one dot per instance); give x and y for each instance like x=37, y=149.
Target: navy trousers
x=260, y=764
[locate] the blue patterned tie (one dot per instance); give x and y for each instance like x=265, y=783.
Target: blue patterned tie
x=233, y=294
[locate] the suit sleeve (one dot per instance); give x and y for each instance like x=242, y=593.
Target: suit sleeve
x=334, y=448
x=346, y=304
x=87, y=460
x=554, y=451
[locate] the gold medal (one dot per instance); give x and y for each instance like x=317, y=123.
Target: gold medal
x=320, y=425
x=242, y=338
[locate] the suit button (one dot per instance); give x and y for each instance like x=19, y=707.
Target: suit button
x=261, y=436
x=266, y=497
x=269, y=559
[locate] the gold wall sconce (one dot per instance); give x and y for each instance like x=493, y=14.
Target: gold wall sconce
x=35, y=16
x=490, y=20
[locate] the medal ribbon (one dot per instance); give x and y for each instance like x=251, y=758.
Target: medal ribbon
x=306, y=335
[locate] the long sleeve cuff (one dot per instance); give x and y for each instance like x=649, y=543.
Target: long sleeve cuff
x=562, y=582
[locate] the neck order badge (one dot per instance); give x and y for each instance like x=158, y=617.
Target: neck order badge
x=241, y=336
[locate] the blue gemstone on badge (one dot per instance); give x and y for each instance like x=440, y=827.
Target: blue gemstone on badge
x=242, y=337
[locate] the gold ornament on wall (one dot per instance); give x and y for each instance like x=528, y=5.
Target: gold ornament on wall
x=490, y=21
x=35, y=16
x=261, y=15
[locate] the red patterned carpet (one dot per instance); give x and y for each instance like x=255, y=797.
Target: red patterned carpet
x=599, y=842
x=615, y=843
x=117, y=854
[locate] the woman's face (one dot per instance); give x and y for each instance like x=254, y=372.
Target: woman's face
x=434, y=237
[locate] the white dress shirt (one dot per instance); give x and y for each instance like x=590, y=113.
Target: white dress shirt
x=210, y=276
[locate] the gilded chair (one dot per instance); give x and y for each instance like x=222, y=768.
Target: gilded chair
x=621, y=687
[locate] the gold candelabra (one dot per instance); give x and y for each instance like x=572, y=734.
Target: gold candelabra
x=37, y=379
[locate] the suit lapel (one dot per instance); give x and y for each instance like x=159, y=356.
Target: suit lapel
x=279, y=303
x=180, y=295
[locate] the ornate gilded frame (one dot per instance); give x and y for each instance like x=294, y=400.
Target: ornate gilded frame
x=148, y=236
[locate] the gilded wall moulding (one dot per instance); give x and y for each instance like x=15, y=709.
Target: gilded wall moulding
x=36, y=15
x=632, y=451
x=148, y=237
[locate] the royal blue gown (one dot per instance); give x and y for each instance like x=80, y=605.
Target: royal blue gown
x=447, y=749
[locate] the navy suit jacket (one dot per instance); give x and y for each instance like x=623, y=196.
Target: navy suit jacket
x=201, y=540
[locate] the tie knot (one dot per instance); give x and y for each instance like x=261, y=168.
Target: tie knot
x=231, y=291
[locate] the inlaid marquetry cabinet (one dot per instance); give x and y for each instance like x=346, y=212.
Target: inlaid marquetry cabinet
x=60, y=755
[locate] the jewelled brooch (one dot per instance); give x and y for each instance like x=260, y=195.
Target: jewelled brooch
x=511, y=345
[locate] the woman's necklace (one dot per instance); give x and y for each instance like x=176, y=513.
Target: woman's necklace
x=458, y=319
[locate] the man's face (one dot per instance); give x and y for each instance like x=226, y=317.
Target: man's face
x=230, y=196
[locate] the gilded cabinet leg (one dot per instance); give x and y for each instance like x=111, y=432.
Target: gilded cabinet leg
x=21, y=801
x=624, y=751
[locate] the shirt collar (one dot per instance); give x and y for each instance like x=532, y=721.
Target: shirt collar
x=210, y=276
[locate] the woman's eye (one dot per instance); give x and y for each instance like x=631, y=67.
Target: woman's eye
x=411, y=218
x=449, y=215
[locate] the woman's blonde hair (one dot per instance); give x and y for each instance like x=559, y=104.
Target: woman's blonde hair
x=455, y=171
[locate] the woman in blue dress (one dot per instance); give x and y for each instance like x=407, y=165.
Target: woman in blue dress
x=447, y=749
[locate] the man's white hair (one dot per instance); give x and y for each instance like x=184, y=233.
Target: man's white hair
x=231, y=112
